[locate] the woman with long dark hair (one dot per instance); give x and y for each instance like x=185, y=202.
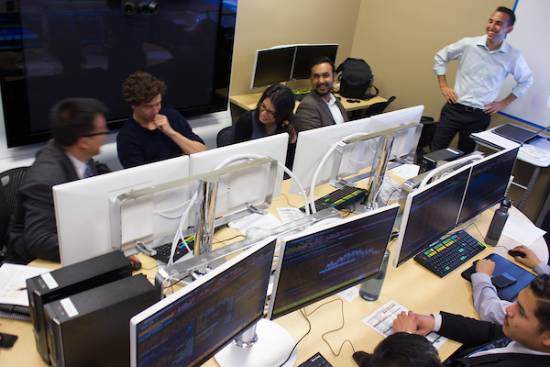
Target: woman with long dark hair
x=273, y=115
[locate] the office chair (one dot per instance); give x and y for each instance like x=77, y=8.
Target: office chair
x=377, y=108
x=425, y=141
x=10, y=181
x=224, y=137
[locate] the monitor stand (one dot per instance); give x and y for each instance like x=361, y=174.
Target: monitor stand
x=264, y=344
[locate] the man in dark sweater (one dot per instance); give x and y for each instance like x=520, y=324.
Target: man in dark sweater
x=523, y=340
x=153, y=133
x=79, y=129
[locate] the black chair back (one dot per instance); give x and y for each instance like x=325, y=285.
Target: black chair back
x=225, y=137
x=378, y=108
x=10, y=181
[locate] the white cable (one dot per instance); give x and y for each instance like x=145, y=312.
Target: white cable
x=182, y=224
x=449, y=165
x=249, y=156
x=321, y=164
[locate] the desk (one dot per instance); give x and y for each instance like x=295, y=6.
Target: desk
x=410, y=285
x=248, y=102
x=491, y=140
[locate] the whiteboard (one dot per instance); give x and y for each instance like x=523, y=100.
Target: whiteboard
x=531, y=38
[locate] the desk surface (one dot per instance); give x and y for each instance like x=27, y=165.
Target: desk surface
x=249, y=101
x=410, y=285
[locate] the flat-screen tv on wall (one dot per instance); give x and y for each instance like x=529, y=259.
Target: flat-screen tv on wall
x=53, y=49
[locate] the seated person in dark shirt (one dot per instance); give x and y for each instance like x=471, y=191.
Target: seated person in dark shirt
x=523, y=339
x=273, y=115
x=153, y=133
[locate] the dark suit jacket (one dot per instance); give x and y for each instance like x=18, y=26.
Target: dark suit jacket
x=33, y=231
x=313, y=112
x=474, y=333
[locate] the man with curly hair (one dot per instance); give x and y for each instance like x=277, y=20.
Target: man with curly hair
x=153, y=133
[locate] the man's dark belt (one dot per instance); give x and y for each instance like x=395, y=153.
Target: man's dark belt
x=468, y=108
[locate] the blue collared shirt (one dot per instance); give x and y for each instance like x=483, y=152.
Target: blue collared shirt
x=481, y=71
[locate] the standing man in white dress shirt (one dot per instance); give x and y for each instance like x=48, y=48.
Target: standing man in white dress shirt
x=483, y=64
x=320, y=108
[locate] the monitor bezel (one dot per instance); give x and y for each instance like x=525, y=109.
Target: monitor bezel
x=166, y=302
x=407, y=210
x=304, y=46
x=308, y=232
x=253, y=84
x=495, y=155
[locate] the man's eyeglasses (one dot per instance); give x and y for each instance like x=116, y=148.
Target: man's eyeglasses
x=96, y=134
x=269, y=112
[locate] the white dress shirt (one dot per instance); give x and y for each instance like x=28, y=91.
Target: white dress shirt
x=335, y=110
x=79, y=166
x=481, y=71
x=486, y=301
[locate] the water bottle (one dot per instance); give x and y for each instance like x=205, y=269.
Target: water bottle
x=370, y=288
x=498, y=222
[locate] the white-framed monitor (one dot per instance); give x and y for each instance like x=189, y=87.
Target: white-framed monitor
x=248, y=186
x=188, y=327
x=312, y=145
x=83, y=212
x=272, y=65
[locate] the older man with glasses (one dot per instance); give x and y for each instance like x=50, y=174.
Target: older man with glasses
x=79, y=129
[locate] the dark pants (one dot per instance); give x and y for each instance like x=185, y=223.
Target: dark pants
x=457, y=118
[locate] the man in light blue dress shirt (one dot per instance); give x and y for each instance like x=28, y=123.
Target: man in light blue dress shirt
x=483, y=65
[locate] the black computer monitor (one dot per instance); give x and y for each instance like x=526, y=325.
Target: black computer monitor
x=189, y=326
x=335, y=257
x=273, y=65
x=488, y=183
x=307, y=54
x=429, y=213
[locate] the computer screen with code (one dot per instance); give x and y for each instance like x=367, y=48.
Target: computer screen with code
x=433, y=212
x=189, y=329
x=488, y=182
x=317, y=265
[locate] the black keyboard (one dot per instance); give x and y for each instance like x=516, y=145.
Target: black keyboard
x=163, y=251
x=449, y=253
x=340, y=199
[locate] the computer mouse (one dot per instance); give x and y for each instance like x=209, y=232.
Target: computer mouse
x=516, y=253
x=134, y=261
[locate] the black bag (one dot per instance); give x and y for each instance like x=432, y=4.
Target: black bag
x=356, y=79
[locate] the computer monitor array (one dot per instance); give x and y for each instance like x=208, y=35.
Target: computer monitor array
x=189, y=326
x=329, y=259
x=312, y=145
x=435, y=209
x=86, y=230
x=283, y=63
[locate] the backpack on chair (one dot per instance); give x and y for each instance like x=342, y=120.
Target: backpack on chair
x=356, y=79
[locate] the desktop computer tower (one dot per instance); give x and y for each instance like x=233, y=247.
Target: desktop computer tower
x=92, y=328
x=69, y=280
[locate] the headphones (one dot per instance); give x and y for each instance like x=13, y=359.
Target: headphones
x=142, y=7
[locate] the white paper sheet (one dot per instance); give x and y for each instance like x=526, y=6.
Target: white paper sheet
x=381, y=321
x=255, y=220
x=288, y=215
x=521, y=231
x=12, y=283
x=350, y=294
